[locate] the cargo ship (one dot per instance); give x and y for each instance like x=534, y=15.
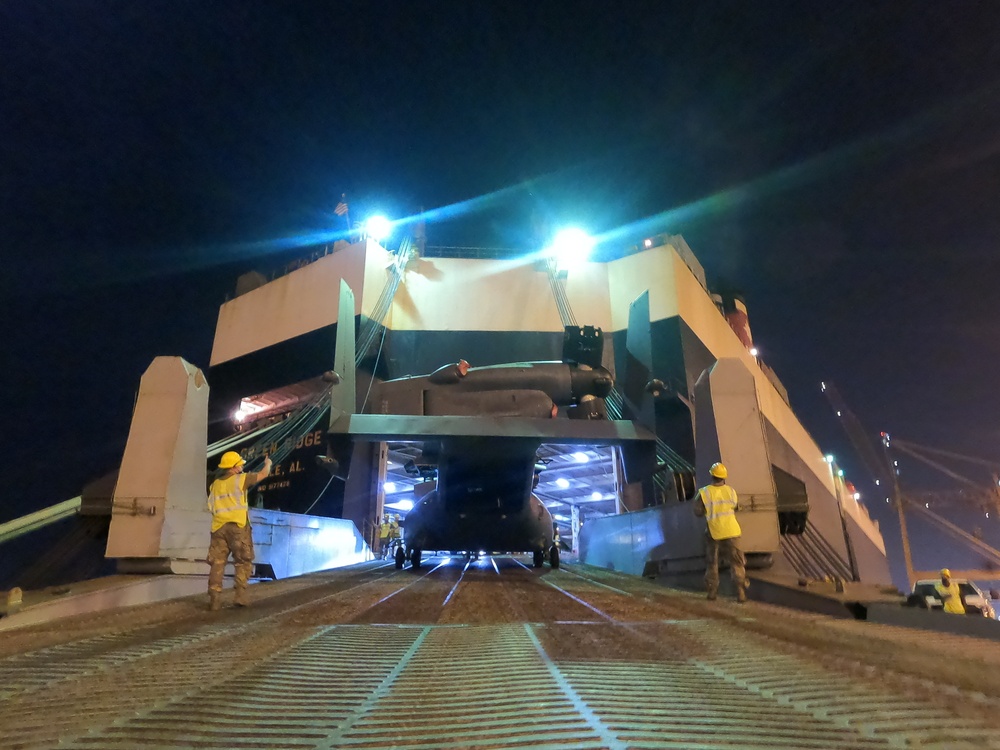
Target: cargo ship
x=662, y=330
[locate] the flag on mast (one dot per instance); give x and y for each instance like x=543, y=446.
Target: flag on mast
x=341, y=210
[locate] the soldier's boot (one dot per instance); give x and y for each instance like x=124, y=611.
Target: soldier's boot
x=242, y=598
x=741, y=595
x=712, y=595
x=214, y=601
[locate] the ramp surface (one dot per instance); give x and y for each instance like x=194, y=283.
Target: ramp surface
x=488, y=654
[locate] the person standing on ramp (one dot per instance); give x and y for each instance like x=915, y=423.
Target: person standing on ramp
x=717, y=503
x=231, y=531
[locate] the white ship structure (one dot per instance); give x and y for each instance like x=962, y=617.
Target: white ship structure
x=664, y=334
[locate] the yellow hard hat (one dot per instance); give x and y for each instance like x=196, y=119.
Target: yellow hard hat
x=718, y=471
x=945, y=573
x=230, y=459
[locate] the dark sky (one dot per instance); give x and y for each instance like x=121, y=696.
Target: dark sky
x=840, y=163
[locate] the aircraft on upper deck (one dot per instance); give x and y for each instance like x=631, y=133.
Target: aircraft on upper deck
x=480, y=429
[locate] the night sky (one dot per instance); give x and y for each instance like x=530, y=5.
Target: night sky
x=839, y=163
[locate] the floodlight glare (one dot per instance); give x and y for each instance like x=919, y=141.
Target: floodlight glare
x=378, y=227
x=389, y=486
x=570, y=248
x=562, y=483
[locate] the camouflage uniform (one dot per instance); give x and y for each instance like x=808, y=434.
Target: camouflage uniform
x=731, y=553
x=239, y=541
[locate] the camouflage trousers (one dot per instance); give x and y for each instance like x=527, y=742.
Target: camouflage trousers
x=732, y=554
x=239, y=541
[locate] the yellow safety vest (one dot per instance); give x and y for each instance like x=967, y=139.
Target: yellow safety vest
x=720, y=511
x=951, y=596
x=227, y=501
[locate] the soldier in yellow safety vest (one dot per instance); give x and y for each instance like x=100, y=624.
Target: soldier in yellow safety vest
x=231, y=532
x=950, y=593
x=717, y=503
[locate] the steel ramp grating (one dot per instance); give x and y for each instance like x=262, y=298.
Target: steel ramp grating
x=697, y=686
x=473, y=687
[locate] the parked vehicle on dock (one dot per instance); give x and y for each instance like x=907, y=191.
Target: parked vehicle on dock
x=925, y=596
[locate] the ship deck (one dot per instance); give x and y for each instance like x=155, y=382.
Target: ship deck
x=489, y=653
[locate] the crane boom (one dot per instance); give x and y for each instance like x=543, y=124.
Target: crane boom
x=883, y=470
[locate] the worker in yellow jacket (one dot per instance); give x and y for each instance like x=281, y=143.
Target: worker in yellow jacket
x=384, y=535
x=231, y=531
x=718, y=503
x=951, y=595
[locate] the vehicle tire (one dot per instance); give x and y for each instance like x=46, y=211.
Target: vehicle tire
x=916, y=600
x=415, y=558
x=538, y=558
x=400, y=557
x=554, y=557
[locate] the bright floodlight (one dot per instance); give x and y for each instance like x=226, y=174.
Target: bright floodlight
x=595, y=495
x=405, y=505
x=378, y=227
x=581, y=457
x=562, y=483
x=389, y=486
x=570, y=248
